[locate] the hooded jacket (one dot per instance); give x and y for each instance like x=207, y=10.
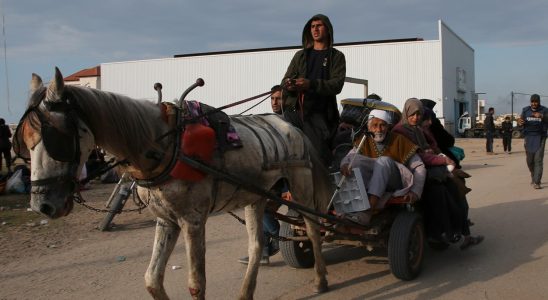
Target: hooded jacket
x=327, y=88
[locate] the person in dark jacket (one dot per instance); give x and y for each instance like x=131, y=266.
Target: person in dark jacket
x=489, y=125
x=506, y=131
x=534, y=130
x=314, y=77
x=5, y=144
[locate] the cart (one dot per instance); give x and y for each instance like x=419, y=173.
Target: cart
x=398, y=227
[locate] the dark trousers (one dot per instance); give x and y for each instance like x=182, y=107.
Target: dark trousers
x=271, y=227
x=535, y=161
x=317, y=129
x=489, y=141
x=445, y=212
x=507, y=142
x=7, y=156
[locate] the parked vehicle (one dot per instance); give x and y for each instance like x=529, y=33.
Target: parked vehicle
x=469, y=129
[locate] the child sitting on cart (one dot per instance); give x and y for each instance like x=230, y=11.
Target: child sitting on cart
x=389, y=164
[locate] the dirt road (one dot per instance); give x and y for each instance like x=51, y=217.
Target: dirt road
x=69, y=259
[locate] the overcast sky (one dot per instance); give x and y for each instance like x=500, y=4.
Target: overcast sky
x=510, y=38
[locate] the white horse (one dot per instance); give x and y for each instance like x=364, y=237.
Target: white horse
x=63, y=123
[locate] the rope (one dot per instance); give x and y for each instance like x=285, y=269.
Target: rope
x=252, y=107
x=218, y=109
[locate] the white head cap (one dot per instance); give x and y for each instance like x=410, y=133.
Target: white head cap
x=381, y=114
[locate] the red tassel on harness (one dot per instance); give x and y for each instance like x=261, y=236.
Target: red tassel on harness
x=197, y=141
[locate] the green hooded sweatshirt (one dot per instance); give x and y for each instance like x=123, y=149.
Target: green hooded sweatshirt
x=327, y=89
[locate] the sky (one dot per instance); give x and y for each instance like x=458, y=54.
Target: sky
x=510, y=38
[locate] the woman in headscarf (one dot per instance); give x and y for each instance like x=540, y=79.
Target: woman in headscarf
x=446, y=213
x=410, y=127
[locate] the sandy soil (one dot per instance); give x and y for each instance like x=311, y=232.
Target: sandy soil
x=26, y=234
x=70, y=259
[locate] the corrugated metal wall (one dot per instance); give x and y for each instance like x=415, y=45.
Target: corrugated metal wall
x=228, y=77
x=396, y=71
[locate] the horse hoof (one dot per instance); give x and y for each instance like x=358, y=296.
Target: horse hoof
x=321, y=288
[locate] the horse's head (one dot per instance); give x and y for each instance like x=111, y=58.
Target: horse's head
x=57, y=142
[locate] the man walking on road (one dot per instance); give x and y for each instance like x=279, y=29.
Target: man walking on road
x=506, y=130
x=489, y=125
x=534, y=129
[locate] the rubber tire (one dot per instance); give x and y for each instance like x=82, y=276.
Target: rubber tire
x=406, y=246
x=516, y=134
x=115, y=207
x=295, y=254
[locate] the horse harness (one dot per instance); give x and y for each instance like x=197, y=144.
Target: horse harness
x=64, y=146
x=61, y=145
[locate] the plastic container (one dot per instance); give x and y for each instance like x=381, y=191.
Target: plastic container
x=197, y=141
x=352, y=196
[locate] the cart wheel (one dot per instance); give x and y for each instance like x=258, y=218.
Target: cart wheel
x=296, y=254
x=406, y=246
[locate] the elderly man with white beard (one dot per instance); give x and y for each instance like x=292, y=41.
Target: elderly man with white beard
x=389, y=165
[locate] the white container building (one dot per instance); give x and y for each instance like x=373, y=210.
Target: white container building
x=441, y=70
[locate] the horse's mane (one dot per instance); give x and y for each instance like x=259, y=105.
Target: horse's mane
x=119, y=123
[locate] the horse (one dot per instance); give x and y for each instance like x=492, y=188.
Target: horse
x=63, y=124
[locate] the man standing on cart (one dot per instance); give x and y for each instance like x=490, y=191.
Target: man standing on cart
x=313, y=79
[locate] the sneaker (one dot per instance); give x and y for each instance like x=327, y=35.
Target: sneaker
x=537, y=186
x=263, y=262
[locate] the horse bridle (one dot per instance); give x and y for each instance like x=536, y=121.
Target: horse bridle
x=61, y=146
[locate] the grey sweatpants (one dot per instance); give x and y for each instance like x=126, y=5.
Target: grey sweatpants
x=380, y=174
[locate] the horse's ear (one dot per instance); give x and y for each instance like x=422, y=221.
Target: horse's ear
x=56, y=87
x=35, y=83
